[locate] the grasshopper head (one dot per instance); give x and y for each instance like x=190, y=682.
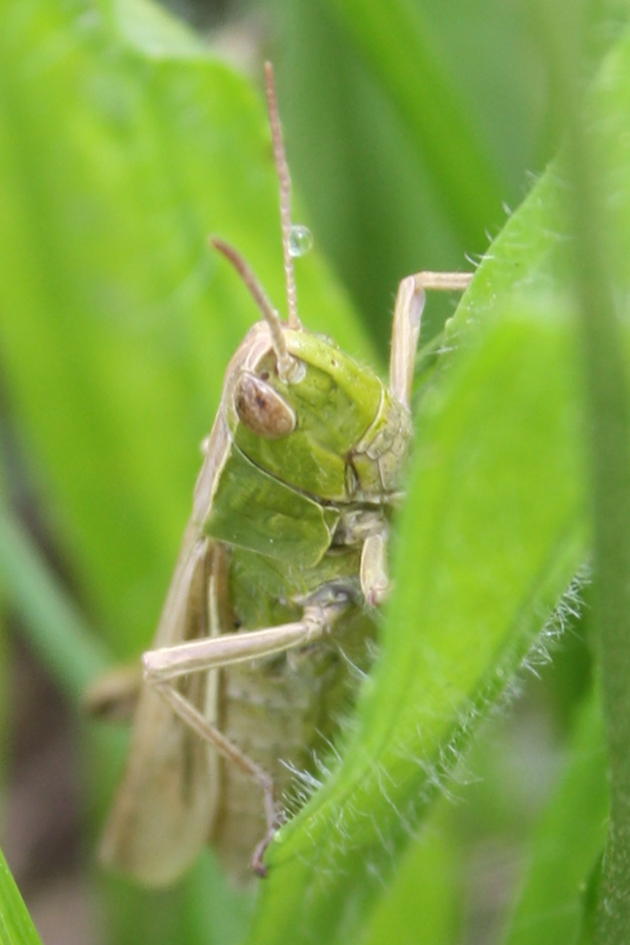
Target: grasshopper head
x=331, y=429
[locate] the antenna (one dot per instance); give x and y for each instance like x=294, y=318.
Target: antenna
x=286, y=363
x=284, y=179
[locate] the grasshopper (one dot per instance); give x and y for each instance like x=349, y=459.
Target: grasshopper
x=269, y=615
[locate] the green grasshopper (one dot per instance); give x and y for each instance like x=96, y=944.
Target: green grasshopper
x=269, y=616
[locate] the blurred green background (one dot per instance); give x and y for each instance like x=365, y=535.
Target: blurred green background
x=129, y=132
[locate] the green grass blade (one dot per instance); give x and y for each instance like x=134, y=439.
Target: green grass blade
x=397, y=45
x=16, y=927
x=598, y=169
x=50, y=620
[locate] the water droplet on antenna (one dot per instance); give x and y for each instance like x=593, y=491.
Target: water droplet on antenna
x=300, y=241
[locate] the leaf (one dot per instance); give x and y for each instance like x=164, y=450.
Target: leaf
x=118, y=158
x=597, y=159
x=50, y=619
x=16, y=927
x=493, y=531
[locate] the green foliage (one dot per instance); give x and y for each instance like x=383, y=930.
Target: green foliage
x=16, y=927
x=124, y=142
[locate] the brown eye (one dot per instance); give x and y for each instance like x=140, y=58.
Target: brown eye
x=261, y=408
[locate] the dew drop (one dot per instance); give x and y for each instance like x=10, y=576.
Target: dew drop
x=300, y=241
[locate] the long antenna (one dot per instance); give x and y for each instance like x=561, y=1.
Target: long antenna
x=284, y=179
x=286, y=363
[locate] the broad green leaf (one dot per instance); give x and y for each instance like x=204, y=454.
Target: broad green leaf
x=492, y=533
x=118, y=156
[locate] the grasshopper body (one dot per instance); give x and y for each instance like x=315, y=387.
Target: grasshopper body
x=267, y=621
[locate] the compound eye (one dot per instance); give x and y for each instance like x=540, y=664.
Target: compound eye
x=261, y=408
